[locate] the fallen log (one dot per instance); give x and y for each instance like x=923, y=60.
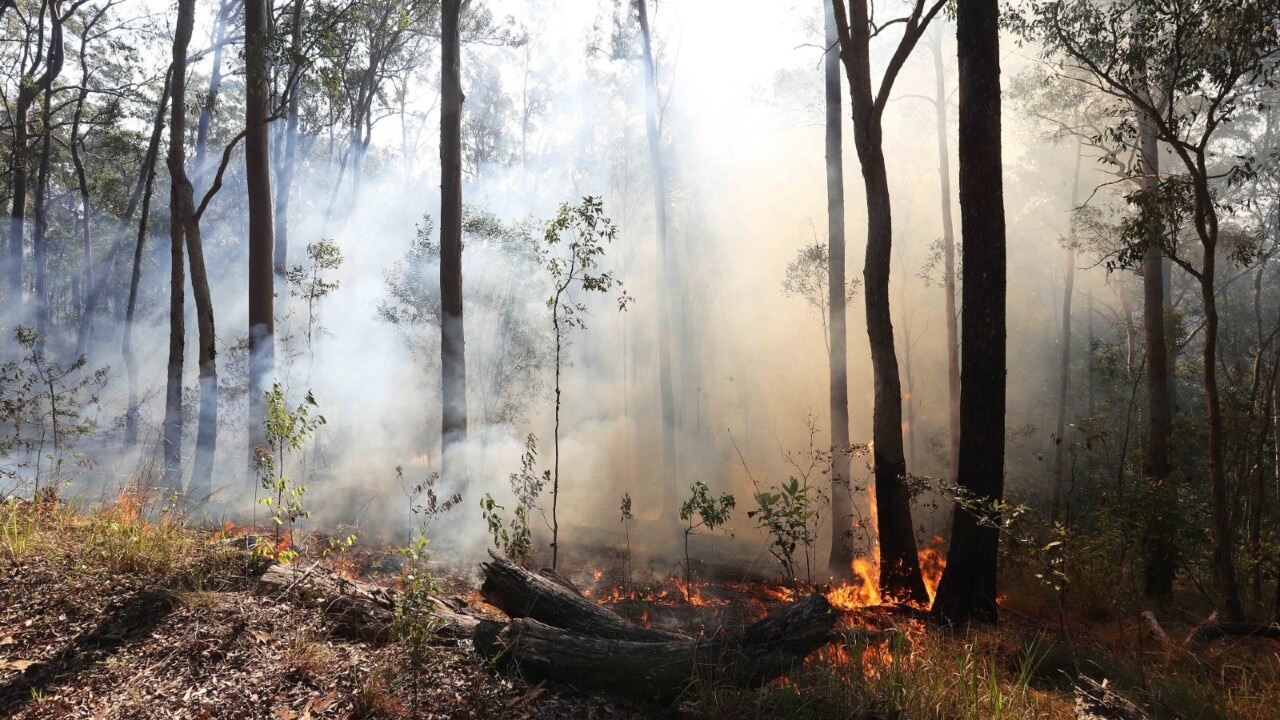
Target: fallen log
x=1214, y=629
x=746, y=657
x=1096, y=701
x=357, y=609
x=523, y=594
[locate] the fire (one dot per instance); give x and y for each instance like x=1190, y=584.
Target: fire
x=692, y=593
x=933, y=560
x=853, y=596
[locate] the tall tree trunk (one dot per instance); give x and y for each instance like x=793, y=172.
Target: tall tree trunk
x=39, y=237
x=172, y=472
x=19, y=156
x=147, y=174
x=86, y=208
x=840, y=563
x=899, y=562
x=285, y=175
x=948, y=263
x=452, y=337
x=225, y=8
x=1160, y=537
x=666, y=392
x=257, y=157
x=968, y=587
x=1061, y=442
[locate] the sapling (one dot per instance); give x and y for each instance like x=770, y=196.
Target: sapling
x=702, y=510
x=627, y=517
x=284, y=432
x=573, y=245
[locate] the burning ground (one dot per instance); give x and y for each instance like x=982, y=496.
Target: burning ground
x=109, y=614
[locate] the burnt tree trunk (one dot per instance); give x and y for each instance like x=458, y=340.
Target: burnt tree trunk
x=453, y=379
x=899, y=561
x=257, y=157
x=840, y=563
x=968, y=587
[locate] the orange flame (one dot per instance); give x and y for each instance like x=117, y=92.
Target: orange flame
x=933, y=560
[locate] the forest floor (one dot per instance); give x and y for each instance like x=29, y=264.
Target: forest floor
x=105, y=614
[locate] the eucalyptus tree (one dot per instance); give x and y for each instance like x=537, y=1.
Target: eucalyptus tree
x=856, y=28
x=1190, y=69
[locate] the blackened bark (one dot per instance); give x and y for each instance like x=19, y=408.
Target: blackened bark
x=452, y=337
x=968, y=587
x=666, y=392
x=899, y=562
x=840, y=563
x=257, y=157
x=39, y=207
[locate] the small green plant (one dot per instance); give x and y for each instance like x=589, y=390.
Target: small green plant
x=786, y=513
x=702, y=510
x=285, y=432
x=627, y=517
x=415, y=621
x=514, y=539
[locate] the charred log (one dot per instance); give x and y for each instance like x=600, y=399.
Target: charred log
x=1215, y=629
x=747, y=657
x=523, y=594
x=1096, y=701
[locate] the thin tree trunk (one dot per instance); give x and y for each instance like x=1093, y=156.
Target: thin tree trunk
x=257, y=155
x=948, y=264
x=17, y=216
x=225, y=8
x=840, y=563
x=899, y=562
x=39, y=238
x=666, y=392
x=1061, y=442
x=1160, y=537
x=172, y=473
x=148, y=171
x=452, y=336
x=968, y=587
x=290, y=158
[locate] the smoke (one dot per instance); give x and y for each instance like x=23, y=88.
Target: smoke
x=745, y=152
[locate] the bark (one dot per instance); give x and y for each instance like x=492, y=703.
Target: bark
x=285, y=175
x=257, y=157
x=747, y=657
x=1214, y=629
x=1160, y=539
x=523, y=594
x=948, y=265
x=172, y=469
x=39, y=207
x=1096, y=701
x=452, y=335
x=148, y=174
x=968, y=587
x=899, y=561
x=841, y=560
x=666, y=392
x=1061, y=442
x=225, y=9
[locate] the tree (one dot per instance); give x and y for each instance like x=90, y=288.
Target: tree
x=899, y=564
x=453, y=376
x=257, y=158
x=1206, y=58
x=840, y=562
x=666, y=392
x=967, y=590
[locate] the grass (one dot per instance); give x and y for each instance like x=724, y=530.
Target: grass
x=1021, y=670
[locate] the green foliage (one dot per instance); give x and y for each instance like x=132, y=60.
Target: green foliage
x=42, y=411
x=702, y=510
x=786, y=513
x=312, y=283
x=285, y=432
x=514, y=538
x=807, y=277
x=573, y=246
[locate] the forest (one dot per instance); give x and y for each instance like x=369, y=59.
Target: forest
x=640, y=358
